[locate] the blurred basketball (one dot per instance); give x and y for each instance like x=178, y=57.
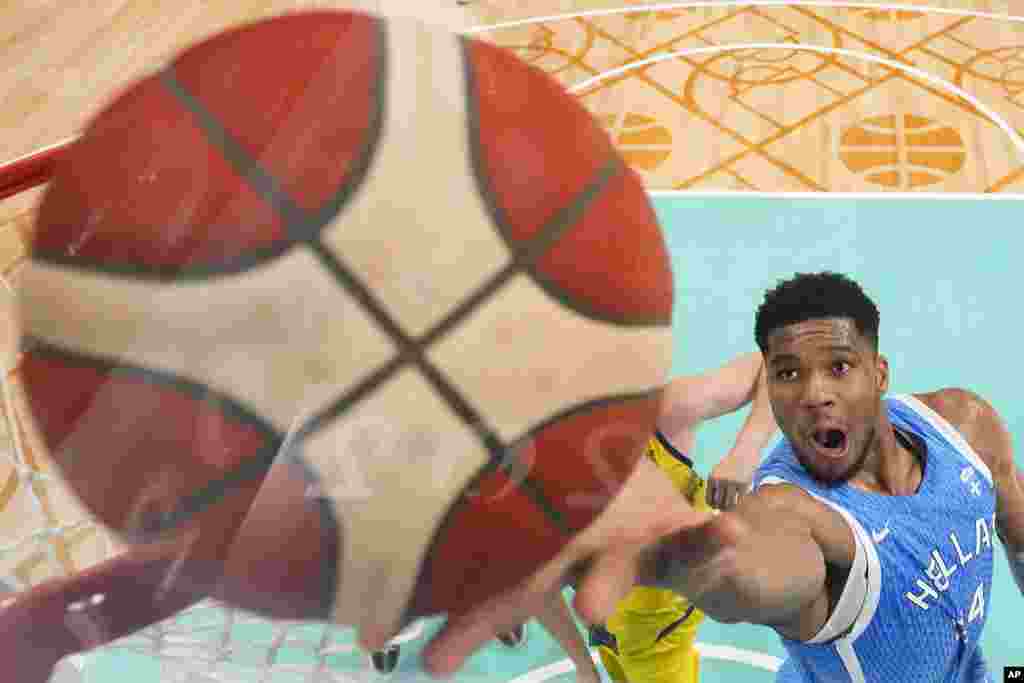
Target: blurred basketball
x=372, y=315
x=902, y=152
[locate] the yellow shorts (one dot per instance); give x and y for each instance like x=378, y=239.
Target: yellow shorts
x=649, y=638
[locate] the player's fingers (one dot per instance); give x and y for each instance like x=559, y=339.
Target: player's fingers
x=462, y=635
x=714, y=493
x=728, y=495
x=606, y=582
x=725, y=494
x=737, y=492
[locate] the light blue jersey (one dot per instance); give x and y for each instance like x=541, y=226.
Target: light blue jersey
x=929, y=564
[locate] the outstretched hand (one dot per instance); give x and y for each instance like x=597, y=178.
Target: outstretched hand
x=604, y=560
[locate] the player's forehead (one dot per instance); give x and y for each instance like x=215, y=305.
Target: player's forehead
x=819, y=337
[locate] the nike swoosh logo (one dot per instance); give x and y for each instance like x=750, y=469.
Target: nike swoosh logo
x=879, y=536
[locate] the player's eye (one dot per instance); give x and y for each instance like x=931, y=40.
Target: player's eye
x=841, y=367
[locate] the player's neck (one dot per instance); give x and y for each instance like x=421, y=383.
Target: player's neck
x=891, y=468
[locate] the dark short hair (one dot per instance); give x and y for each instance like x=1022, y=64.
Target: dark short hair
x=812, y=296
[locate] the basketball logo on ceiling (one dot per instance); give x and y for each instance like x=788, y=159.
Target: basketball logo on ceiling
x=644, y=143
x=902, y=152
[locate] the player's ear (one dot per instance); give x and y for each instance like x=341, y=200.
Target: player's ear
x=882, y=373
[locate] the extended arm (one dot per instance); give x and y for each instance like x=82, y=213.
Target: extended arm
x=692, y=399
x=734, y=472
x=772, y=561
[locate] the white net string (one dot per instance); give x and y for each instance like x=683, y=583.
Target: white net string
x=45, y=533
x=211, y=643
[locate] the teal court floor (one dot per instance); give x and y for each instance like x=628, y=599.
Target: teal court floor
x=944, y=275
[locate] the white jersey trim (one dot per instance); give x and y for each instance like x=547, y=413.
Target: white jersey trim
x=951, y=434
x=850, y=660
x=853, y=598
x=859, y=600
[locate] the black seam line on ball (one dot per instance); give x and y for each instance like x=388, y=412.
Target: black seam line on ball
x=301, y=226
x=553, y=229
x=411, y=350
x=499, y=453
x=525, y=256
x=531, y=487
x=252, y=467
x=264, y=184
x=330, y=526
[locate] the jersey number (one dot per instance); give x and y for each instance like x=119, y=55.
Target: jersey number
x=977, y=605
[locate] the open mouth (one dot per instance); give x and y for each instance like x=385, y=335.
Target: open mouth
x=830, y=442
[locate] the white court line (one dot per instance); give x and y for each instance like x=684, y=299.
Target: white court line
x=930, y=196
x=661, y=7
x=1015, y=138
x=998, y=120
x=842, y=52
x=757, y=660
x=772, y=3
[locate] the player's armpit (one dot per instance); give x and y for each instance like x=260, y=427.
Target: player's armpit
x=1012, y=500
x=1009, y=482
x=764, y=563
x=987, y=433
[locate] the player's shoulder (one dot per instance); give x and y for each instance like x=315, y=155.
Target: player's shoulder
x=954, y=404
x=970, y=414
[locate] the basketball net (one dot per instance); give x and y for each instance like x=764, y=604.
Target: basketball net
x=46, y=534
